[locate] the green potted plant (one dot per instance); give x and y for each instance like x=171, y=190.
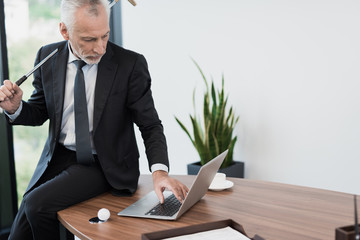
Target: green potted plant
x=213, y=132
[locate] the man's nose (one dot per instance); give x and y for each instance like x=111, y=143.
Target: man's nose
x=99, y=48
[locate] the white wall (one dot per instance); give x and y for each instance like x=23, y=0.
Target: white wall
x=292, y=69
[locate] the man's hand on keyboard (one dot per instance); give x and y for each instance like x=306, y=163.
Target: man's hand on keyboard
x=162, y=181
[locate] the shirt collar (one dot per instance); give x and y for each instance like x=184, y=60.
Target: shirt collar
x=72, y=57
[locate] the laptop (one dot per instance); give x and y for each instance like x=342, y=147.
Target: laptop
x=150, y=207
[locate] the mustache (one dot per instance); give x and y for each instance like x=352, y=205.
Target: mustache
x=94, y=56
x=93, y=59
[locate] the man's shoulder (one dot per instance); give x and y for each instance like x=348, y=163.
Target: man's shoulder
x=51, y=47
x=123, y=52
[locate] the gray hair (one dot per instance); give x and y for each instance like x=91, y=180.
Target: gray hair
x=69, y=7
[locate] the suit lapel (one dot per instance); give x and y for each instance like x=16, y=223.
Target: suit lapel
x=104, y=81
x=59, y=76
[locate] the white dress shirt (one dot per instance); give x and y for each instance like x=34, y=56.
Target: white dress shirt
x=67, y=132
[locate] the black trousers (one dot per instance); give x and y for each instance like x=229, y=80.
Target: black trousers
x=64, y=183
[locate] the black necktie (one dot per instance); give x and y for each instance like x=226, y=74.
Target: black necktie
x=83, y=146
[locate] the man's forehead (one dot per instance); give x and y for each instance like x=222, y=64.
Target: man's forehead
x=91, y=34
x=92, y=28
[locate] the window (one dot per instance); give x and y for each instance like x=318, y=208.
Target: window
x=30, y=24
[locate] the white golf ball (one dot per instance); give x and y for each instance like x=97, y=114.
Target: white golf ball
x=103, y=214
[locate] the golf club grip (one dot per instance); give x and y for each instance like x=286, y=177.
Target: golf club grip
x=21, y=80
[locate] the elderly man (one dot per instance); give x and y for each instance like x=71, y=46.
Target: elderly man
x=92, y=92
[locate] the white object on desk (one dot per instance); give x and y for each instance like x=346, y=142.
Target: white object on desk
x=103, y=214
x=227, y=184
x=230, y=233
x=220, y=183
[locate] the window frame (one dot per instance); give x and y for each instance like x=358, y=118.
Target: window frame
x=8, y=190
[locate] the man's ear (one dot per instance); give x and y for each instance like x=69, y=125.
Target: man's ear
x=64, y=31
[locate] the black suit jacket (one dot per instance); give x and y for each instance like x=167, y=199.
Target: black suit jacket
x=122, y=97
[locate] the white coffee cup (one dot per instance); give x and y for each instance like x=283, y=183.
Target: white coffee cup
x=218, y=181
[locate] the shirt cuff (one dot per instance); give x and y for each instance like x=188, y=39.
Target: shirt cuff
x=12, y=117
x=159, y=166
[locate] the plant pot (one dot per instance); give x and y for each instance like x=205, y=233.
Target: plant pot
x=234, y=170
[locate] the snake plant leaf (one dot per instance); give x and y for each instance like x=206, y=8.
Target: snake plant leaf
x=201, y=72
x=185, y=130
x=214, y=134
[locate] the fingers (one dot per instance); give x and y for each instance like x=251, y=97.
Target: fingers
x=180, y=191
x=7, y=90
x=185, y=191
x=159, y=186
x=16, y=88
x=162, y=181
x=159, y=194
x=10, y=96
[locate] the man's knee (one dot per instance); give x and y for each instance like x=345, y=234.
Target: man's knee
x=30, y=207
x=37, y=206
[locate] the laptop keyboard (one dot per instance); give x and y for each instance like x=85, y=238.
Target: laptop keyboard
x=170, y=206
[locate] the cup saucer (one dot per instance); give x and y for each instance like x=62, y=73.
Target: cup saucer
x=227, y=184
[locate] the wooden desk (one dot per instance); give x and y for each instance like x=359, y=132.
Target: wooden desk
x=271, y=210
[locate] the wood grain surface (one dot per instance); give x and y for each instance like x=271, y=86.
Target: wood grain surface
x=274, y=211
